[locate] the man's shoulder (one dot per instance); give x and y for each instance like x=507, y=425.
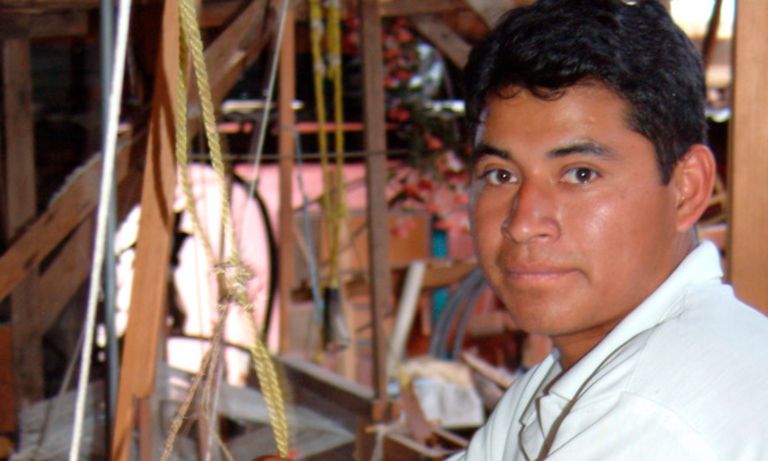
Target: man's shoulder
x=709, y=327
x=706, y=363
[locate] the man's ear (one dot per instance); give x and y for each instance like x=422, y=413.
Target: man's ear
x=693, y=179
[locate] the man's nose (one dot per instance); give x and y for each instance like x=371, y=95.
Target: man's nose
x=532, y=216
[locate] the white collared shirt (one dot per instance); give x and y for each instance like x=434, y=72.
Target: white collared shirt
x=683, y=377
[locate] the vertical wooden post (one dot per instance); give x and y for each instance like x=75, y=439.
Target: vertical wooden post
x=8, y=402
x=150, y=279
x=287, y=121
x=747, y=249
x=21, y=197
x=376, y=175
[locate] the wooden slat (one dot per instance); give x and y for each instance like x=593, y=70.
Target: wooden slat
x=376, y=168
x=149, y=289
x=443, y=37
x=286, y=147
x=747, y=249
x=64, y=24
x=21, y=206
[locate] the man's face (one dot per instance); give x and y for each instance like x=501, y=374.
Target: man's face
x=571, y=221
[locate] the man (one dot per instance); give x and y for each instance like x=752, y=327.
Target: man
x=589, y=174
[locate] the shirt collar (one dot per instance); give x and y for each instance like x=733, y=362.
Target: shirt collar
x=702, y=264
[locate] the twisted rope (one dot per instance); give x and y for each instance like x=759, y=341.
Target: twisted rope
x=231, y=275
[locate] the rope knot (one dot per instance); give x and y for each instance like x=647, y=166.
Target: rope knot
x=235, y=275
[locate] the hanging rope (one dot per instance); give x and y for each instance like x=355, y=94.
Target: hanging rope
x=333, y=203
x=334, y=70
x=231, y=274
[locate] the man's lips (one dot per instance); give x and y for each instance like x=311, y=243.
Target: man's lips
x=535, y=273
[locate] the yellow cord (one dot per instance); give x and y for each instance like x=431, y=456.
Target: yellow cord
x=333, y=201
x=334, y=46
x=232, y=275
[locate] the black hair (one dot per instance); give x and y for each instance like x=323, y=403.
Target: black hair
x=631, y=46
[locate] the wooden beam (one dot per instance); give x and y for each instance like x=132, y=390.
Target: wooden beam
x=287, y=121
x=8, y=402
x=80, y=196
x=66, y=212
x=63, y=24
x=21, y=207
x=747, y=250
x=150, y=284
x=38, y=6
x=434, y=29
x=69, y=270
x=230, y=54
x=66, y=274
x=350, y=395
x=376, y=167
x=411, y=7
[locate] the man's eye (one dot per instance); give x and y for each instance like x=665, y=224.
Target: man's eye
x=580, y=175
x=498, y=176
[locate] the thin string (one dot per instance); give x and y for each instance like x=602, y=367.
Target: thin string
x=107, y=179
x=270, y=94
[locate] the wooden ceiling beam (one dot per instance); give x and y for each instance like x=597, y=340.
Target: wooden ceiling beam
x=43, y=6
x=411, y=7
x=63, y=24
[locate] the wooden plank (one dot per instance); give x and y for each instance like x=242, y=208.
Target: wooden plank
x=434, y=29
x=747, y=249
x=287, y=121
x=148, y=296
x=64, y=277
x=376, y=167
x=77, y=200
x=334, y=388
x=63, y=24
x=21, y=206
x=410, y=7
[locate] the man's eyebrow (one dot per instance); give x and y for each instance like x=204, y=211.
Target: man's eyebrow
x=483, y=149
x=581, y=147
